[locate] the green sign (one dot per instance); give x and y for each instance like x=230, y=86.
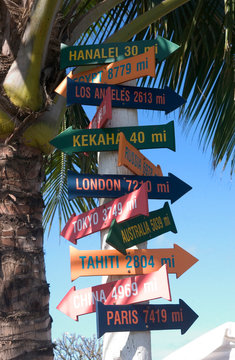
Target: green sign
x=111, y=52
x=107, y=139
x=141, y=228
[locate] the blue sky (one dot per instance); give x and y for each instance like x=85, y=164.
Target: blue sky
x=205, y=220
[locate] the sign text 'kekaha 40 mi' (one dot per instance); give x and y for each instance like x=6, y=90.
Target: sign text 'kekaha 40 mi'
x=107, y=139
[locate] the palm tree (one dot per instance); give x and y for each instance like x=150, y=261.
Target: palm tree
x=31, y=115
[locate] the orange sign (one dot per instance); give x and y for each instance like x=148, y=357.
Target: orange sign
x=136, y=262
x=132, y=158
x=115, y=73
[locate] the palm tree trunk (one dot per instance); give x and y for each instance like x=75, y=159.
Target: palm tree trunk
x=25, y=323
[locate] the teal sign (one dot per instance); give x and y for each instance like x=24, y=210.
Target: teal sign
x=107, y=139
x=111, y=52
x=141, y=228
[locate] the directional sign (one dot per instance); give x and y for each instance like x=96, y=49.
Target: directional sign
x=107, y=53
x=136, y=262
x=142, y=228
x=145, y=137
x=111, y=186
x=103, y=113
x=124, y=291
x=143, y=317
x=132, y=158
x=100, y=218
x=116, y=72
x=124, y=96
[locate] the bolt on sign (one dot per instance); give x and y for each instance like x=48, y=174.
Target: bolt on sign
x=112, y=186
x=136, y=262
x=124, y=96
x=100, y=218
x=130, y=290
x=107, y=139
x=140, y=229
x=143, y=317
x=116, y=72
x=130, y=157
x=103, y=113
x=111, y=52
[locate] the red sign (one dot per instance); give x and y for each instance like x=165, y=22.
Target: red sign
x=121, y=292
x=103, y=113
x=125, y=207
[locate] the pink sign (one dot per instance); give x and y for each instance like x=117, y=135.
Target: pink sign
x=103, y=113
x=121, y=292
x=123, y=208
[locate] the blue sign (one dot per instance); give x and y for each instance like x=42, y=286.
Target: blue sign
x=124, y=96
x=113, y=186
x=143, y=317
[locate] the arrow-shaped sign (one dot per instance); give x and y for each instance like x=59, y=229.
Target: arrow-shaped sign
x=124, y=96
x=142, y=228
x=100, y=218
x=123, y=291
x=103, y=113
x=110, y=52
x=143, y=317
x=136, y=262
x=132, y=158
x=114, y=73
x=145, y=137
x=111, y=186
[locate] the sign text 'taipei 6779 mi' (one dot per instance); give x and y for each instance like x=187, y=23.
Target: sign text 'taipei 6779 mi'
x=107, y=139
x=110, y=52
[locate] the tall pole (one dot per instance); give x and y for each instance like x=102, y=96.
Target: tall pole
x=121, y=345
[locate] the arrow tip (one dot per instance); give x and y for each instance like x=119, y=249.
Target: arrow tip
x=66, y=305
x=178, y=187
x=184, y=260
x=189, y=316
x=174, y=100
x=100, y=313
x=114, y=237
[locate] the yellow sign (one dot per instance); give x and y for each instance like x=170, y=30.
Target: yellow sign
x=132, y=158
x=115, y=73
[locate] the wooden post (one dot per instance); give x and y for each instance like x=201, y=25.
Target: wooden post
x=121, y=345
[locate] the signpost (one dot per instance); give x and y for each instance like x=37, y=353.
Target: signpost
x=123, y=291
x=136, y=262
x=124, y=96
x=111, y=186
x=130, y=157
x=103, y=113
x=140, y=229
x=100, y=218
x=143, y=317
x=146, y=137
x=110, y=52
x=115, y=73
